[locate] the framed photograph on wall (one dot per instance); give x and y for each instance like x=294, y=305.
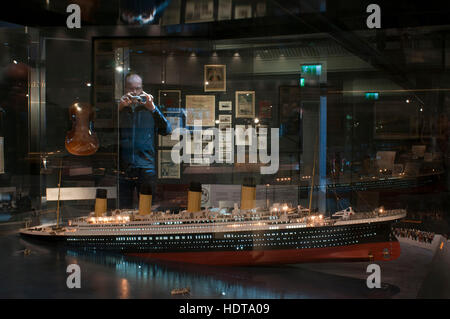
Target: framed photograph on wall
x=224, y=118
x=260, y=10
x=226, y=106
x=226, y=156
x=207, y=135
x=172, y=13
x=200, y=109
x=169, y=101
x=166, y=141
x=224, y=10
x=199, y=11
x=200, y=161
x=243, y=11
x=224, y=127
x=265, y=109
x=215, y=78
x=245, y=104
x=167, y=169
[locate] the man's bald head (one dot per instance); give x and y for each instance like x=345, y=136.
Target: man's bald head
x=133, y=84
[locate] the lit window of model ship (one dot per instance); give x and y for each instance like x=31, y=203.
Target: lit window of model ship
x=241, y=236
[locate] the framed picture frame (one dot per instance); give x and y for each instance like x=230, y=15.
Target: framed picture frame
x=215, y=78
x=167, y=169
x=225, y=150
x=226, y=106
x=225, y=145
x=200, y=109
x=265, y=109
x=260, y=10
x=225, y=10
x=245, y=104
x=199, y=11
x=224, y=126
x=172, y=13
x=207, y=135
x=243, y=11
x=227, y=157
x=199, y=161
x=166, y=141
x=169, y=101
x=225, y=136
x=224, y=118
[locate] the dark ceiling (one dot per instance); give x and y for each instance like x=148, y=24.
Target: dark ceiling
x=351, y=13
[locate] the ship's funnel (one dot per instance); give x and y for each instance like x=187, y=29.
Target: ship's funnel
x=194, y=198
x=100, y=202
x=145, y=199
x=248, y=194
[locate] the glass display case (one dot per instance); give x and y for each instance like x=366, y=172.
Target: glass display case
x=288, y=134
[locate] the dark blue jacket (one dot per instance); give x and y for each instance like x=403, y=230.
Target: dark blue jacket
x=138, y=130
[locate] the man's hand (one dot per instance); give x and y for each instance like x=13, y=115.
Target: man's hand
x=129, y=99
x=125, y=101
x=149, y=105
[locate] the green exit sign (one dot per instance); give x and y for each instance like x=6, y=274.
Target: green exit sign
x=372, y=95
x=302, y=82
x=312, y=69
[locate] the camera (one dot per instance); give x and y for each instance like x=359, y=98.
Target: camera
x=139, y=99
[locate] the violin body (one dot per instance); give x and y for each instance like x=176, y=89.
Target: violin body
x=81, y=140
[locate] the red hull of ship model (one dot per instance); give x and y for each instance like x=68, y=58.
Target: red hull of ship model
x=362, y=252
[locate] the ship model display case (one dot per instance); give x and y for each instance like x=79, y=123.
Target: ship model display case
x=229, y=133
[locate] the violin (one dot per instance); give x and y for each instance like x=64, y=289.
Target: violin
x=81, y=139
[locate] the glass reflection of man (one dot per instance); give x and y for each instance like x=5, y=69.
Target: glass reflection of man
x=140, y=121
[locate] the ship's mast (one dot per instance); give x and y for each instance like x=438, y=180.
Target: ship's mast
x=59, y=194
x=313, y=175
